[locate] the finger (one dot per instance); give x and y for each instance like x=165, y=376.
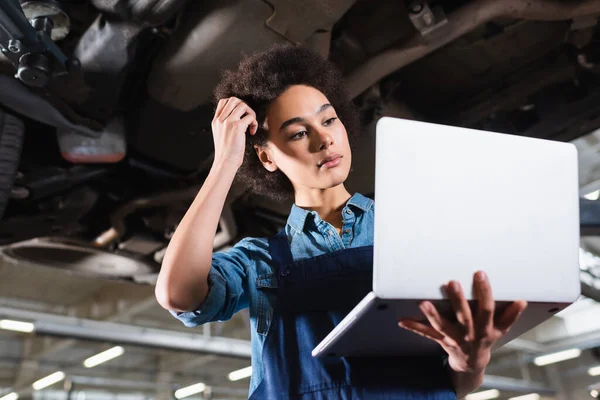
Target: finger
x=461, y=308
x=254, y=126
x=242, y=109
x=423, y=330
x=250, y=122
x=510, y=315
x=484, y=323
x=239, y=111
x=229, y=107
x=439, y=323
x=220, y=106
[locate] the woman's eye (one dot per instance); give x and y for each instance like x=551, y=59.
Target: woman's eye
x=299, y=135
x=329, y=121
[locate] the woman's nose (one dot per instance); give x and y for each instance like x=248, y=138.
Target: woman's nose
x=325, y=139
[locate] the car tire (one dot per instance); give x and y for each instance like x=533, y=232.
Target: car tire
x=11, y=143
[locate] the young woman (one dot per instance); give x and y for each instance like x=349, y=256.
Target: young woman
x=283, y=124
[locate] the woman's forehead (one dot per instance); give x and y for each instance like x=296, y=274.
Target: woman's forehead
x=297, y=101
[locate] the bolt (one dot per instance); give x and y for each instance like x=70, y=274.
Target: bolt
x=416, y=6
x=428, y=19
x=19, y=193
x=585, y=62
x=73, y=64
x=14, y=46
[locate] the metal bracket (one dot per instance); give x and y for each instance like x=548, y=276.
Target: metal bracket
x=30, y=48
x=589, y=216
x=424, y=18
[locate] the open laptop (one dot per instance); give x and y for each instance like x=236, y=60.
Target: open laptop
x=451, y=201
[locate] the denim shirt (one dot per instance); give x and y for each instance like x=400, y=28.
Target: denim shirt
x=238, y=277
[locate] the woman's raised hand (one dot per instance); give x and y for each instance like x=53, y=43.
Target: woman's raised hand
x=233, y=118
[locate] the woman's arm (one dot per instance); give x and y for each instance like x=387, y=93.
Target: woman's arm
x=182, y=283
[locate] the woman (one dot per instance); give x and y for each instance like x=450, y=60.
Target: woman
x=283, y=123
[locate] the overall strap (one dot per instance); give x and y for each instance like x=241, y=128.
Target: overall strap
x=280, y=249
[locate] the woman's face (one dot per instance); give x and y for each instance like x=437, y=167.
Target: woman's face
x=306, y=140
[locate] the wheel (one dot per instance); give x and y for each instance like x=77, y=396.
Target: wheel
x=11, y=143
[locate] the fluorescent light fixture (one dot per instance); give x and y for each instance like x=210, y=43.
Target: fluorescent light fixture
x=594, y=371
x=190, y=390
x=49, y=380
x=594, y=393
x=10, y=396
x=484, y=395
x=240, y=374
x=17, y=326
x=103, y=357
x=593, y=195
x=556, y=357
x=531, y=396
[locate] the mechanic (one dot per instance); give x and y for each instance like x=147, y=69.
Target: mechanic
x=283, y=124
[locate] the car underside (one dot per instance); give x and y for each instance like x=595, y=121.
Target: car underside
x=106, y=105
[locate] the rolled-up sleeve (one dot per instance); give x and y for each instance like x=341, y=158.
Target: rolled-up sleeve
x=227, y=286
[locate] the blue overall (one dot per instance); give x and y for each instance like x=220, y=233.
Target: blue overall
x=313, y=296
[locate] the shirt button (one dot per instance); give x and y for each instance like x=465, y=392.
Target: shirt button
x=348, y=211
x=347, y=231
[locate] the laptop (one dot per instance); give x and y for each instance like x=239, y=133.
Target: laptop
x=450, y=201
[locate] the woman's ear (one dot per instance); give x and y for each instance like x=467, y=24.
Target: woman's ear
x=265, y=158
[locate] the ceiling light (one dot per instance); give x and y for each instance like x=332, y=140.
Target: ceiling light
x=593, y=195
x=16, y=326
x=556, y=357
x=594, y=371
x=190, y=390
x=48, y=381
x=240, y=374
x=10, y=396
x=103, y=357
x=484, y=395
x=594, y=393
x=531, y=396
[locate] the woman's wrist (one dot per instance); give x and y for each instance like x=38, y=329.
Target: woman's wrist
x=222, y=166
x=465, y=382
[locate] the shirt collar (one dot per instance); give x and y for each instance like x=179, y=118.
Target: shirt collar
x=361, y=202
x=298, y=215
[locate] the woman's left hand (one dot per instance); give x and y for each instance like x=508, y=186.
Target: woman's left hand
x=468, y=341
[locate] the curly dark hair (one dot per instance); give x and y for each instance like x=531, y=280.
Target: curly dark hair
x=259, y=80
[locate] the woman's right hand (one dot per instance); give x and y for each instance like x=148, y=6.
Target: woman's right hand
x=232, y=119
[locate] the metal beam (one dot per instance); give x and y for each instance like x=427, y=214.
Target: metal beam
x=79, y=328
x=467, y=18
x=141, y=385
x=515, y=385
x=126, y=385
x=28, y=366
x=582, y=342
x=89, y=304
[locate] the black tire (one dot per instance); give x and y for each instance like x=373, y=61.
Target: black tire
x=11, y=143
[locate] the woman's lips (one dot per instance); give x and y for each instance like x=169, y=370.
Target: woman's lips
x=331, y=162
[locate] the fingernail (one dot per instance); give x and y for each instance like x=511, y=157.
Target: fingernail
x=401, y=324
x=455, y=286
x=480, y=276
x=425, y=307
